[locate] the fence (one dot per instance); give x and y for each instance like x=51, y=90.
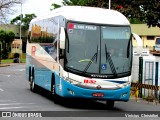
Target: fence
x=151, y=88
x=148, y=78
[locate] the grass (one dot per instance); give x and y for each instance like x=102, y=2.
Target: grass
x=23, y=60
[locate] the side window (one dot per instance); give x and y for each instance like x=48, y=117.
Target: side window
x=150, y=37
x=42, y=31
x=35, y=32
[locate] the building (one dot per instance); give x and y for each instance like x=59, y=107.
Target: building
x=147, y=34
x=15, y=29
x=18, y=45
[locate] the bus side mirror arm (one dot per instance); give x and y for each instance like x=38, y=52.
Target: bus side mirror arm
x=62, y=38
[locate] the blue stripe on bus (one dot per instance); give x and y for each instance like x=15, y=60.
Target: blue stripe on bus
x=79, y=92
x=42, y=77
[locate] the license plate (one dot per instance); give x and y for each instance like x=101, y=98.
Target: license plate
x=98, y=94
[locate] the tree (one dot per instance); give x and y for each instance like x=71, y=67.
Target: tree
x=24, y=21
x=10, y=35
x=137, y=11
x=2, y=37
x=152, y=12
x=146, y=11
x=16, y=20
x=6, y=9
x=55, y=6
x=6, y=38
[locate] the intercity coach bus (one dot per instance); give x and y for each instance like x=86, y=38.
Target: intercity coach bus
x=81, y=52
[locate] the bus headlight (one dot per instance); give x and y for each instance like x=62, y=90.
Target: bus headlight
x=71, y=81
x=124, y=85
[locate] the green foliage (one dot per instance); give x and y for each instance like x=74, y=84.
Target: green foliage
x=135, y=21
x=2, y=35
x=23, y=20
x=16, y=20
x=140, y=11
x=4, y=61
x=76, y=2
x=22, y=60
x=152, y=12
x=11, y=35
x=55, y=6
x=137, y=11
x=26, y=20
x=4, y=54
x=6, y=38
x=42, y=40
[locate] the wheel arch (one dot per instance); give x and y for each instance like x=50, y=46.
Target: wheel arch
x=52, y=81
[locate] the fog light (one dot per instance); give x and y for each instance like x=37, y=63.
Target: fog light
x=70, y=91
x=124, y=95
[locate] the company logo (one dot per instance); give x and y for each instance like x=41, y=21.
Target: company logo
x=90, y=81
x=98, y=87
x=21, y=114
x=99, y=76
x=6, y=114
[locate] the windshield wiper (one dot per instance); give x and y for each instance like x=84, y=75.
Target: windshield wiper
x=108, y=57
x=91, y=61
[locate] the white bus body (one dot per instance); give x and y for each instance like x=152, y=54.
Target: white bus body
x=81, y=52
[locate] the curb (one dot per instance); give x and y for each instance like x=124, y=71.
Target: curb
x=9, y=64
x=4, y=65
x=143, y=100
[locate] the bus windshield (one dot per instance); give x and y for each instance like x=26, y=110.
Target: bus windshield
x=98, y=50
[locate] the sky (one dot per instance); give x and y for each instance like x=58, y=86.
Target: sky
x=38, y=7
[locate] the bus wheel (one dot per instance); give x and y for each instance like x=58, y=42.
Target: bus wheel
x=53, y=89
x=109, y=104
x=33, y=87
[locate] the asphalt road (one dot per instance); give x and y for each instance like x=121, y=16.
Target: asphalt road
x=15, y=95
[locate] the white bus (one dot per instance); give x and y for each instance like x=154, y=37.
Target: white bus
x=81, y=52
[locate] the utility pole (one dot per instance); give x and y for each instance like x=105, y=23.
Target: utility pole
x=0, y=53
x=20, y=29
x=21, y=21
x=109, y=4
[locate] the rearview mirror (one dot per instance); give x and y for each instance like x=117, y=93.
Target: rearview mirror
x=62, y=38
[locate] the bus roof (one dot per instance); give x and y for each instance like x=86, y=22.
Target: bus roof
x=88, y=14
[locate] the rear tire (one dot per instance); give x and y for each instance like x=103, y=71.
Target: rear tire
x=33, y=87
x=29, y=76
x=110, y=104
